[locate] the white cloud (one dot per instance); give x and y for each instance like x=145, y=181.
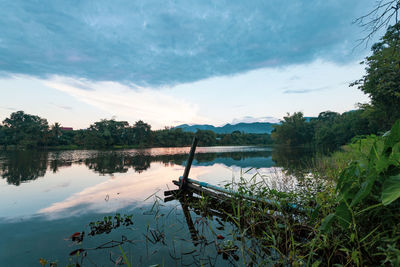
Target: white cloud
x=185, y=41
x=129, y=103
x=272, y=92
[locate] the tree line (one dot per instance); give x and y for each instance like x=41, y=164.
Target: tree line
x=381, y=83
x=22, y=130
x=328, y=131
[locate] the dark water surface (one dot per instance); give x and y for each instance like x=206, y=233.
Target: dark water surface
x=45, y=197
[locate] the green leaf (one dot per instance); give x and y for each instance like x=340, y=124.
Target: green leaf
x=327, y=222
x=315, y=213
x=343, y=214
x=391, y=189
x=393, y=137
x=381, y=164
x=316, y=264
x=373, y=154
x=364, y=191
x=125, y=257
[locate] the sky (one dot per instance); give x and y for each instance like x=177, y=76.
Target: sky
x=179, y=61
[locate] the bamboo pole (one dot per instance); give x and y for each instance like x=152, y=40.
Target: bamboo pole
x=189, y=221
x=188, y=164
x=248, y=197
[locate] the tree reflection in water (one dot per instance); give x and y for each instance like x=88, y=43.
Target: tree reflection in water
x=296, y=161
x=23, y=166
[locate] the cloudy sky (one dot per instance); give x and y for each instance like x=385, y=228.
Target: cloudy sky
x=173, y=62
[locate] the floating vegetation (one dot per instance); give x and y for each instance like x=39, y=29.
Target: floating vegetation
x=109, y=223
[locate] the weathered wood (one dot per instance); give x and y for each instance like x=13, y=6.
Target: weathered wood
x=171, y=192
x=270, y=203
x=201, y=191
x=189, y=221
x=169, y=198
x=188, y=164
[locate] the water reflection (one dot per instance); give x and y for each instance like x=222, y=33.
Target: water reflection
x=83, y=186
x=23, y=166
x=295, y=161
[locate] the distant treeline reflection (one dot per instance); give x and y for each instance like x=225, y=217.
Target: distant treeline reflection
x=23, y=166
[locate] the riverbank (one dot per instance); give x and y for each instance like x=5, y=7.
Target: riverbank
x=353, y=199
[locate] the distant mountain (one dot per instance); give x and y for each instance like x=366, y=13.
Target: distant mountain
x=249, y=119
x=308, y=119
x=254, y=127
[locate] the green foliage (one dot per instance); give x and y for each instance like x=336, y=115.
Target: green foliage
x=391, y=190
x=141, y=133
x=382, y=80
x=125, y=257
x=109, y=131
x=206, y=138
x=293, y=131
x=109, y=223
x=172, y=137
x=24, y=130
x=368, y=192
x=327, y=132
x=336, y=130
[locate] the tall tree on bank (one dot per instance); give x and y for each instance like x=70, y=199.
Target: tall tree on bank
x=382, y=80
x=293, y=131
x=141, y=133
x=25, y=130
x=106, y=133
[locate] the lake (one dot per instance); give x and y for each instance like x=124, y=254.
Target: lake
x=47, y=196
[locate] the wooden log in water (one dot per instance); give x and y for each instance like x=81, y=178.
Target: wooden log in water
x=171, y=192
x=189, y=222
x=169, y=198
x=268, y=202
x=205, y=192
x=188, y=164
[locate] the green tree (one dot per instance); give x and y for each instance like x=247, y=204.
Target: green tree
x=25, y=130
x=111, y=131
x=2, y=135
x=382, y=80
x=294, y=130
x=141, y=133
x=206, y=137
x=56, y=130
x=55, y=134
x=331, y=129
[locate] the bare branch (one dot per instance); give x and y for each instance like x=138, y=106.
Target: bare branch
x=380, y=17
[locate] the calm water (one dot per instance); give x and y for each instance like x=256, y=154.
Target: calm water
x=47, y=196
